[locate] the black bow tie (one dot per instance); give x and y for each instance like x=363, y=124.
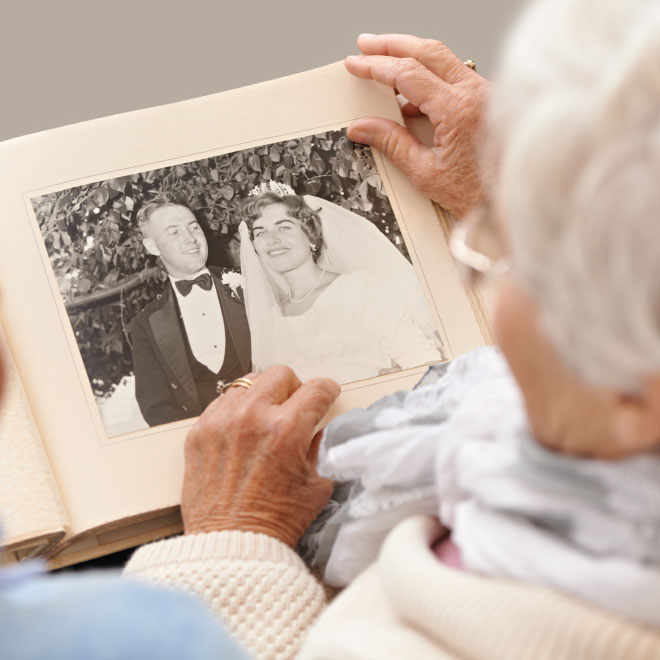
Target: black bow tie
x=185, y=286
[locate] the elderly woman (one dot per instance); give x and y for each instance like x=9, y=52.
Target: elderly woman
x=326, y=293
x=573, y=153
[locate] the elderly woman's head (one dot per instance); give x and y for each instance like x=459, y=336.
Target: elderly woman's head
x=575, y=124
x=285, y=231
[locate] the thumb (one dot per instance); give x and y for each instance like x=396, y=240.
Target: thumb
x=394, y=141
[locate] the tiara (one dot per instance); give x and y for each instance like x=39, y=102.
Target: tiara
x=279, y=189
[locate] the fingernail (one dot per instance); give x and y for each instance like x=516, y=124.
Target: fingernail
x=355, y=57
x=366, y=35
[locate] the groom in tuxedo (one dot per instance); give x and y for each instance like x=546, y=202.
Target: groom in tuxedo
x=195, y=333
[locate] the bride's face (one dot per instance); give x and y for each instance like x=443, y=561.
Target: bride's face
x=280, y=240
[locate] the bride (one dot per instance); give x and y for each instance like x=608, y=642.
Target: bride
x=326, y=293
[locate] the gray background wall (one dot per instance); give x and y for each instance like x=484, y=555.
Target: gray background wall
x=63, y=62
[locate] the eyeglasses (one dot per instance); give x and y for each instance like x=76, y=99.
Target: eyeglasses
x=478, y=248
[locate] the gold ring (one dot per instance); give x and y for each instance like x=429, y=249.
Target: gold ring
x=245, y=383
x=470, y=64
x=241, y=382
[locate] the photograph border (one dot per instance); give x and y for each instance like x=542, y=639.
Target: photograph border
x=86, y=388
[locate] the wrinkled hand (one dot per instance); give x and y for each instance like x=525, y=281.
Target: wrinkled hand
x=251, y=458
x=436, y=84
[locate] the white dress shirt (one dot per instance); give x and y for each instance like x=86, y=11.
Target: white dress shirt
x=202, y=319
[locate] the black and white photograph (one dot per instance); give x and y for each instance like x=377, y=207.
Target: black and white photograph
x=180, y=278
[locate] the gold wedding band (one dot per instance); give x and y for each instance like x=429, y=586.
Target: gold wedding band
x=241, y=382
x=470, y=64
x=245, y=383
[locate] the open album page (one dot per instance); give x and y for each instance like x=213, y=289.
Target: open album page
x=31, y=511
x=153, y=254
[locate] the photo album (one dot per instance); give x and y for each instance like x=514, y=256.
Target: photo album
x=148, y=258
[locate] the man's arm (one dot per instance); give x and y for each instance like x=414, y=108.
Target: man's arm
x=153, y=389
x=255, y=584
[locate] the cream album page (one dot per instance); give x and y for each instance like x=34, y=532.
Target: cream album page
x=31, y=511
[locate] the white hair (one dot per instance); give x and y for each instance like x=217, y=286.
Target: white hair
x=575, y=118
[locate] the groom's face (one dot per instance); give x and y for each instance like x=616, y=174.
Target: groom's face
x=173, y=234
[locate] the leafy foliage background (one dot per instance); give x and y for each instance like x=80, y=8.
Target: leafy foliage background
x=95, y=246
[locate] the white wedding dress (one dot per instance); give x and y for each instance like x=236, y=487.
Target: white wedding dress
x=374, y=316
x=353, y=330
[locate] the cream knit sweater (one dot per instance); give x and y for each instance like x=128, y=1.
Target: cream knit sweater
x=406, y=606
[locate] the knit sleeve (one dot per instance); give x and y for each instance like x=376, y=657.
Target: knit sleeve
x=256, y=584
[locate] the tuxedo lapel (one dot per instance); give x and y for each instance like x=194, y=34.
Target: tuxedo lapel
x=167, y=333
x=235, y=318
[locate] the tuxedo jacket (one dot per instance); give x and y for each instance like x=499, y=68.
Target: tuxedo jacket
x=165, y=386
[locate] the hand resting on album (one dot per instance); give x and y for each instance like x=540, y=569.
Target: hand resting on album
x=250, y=459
